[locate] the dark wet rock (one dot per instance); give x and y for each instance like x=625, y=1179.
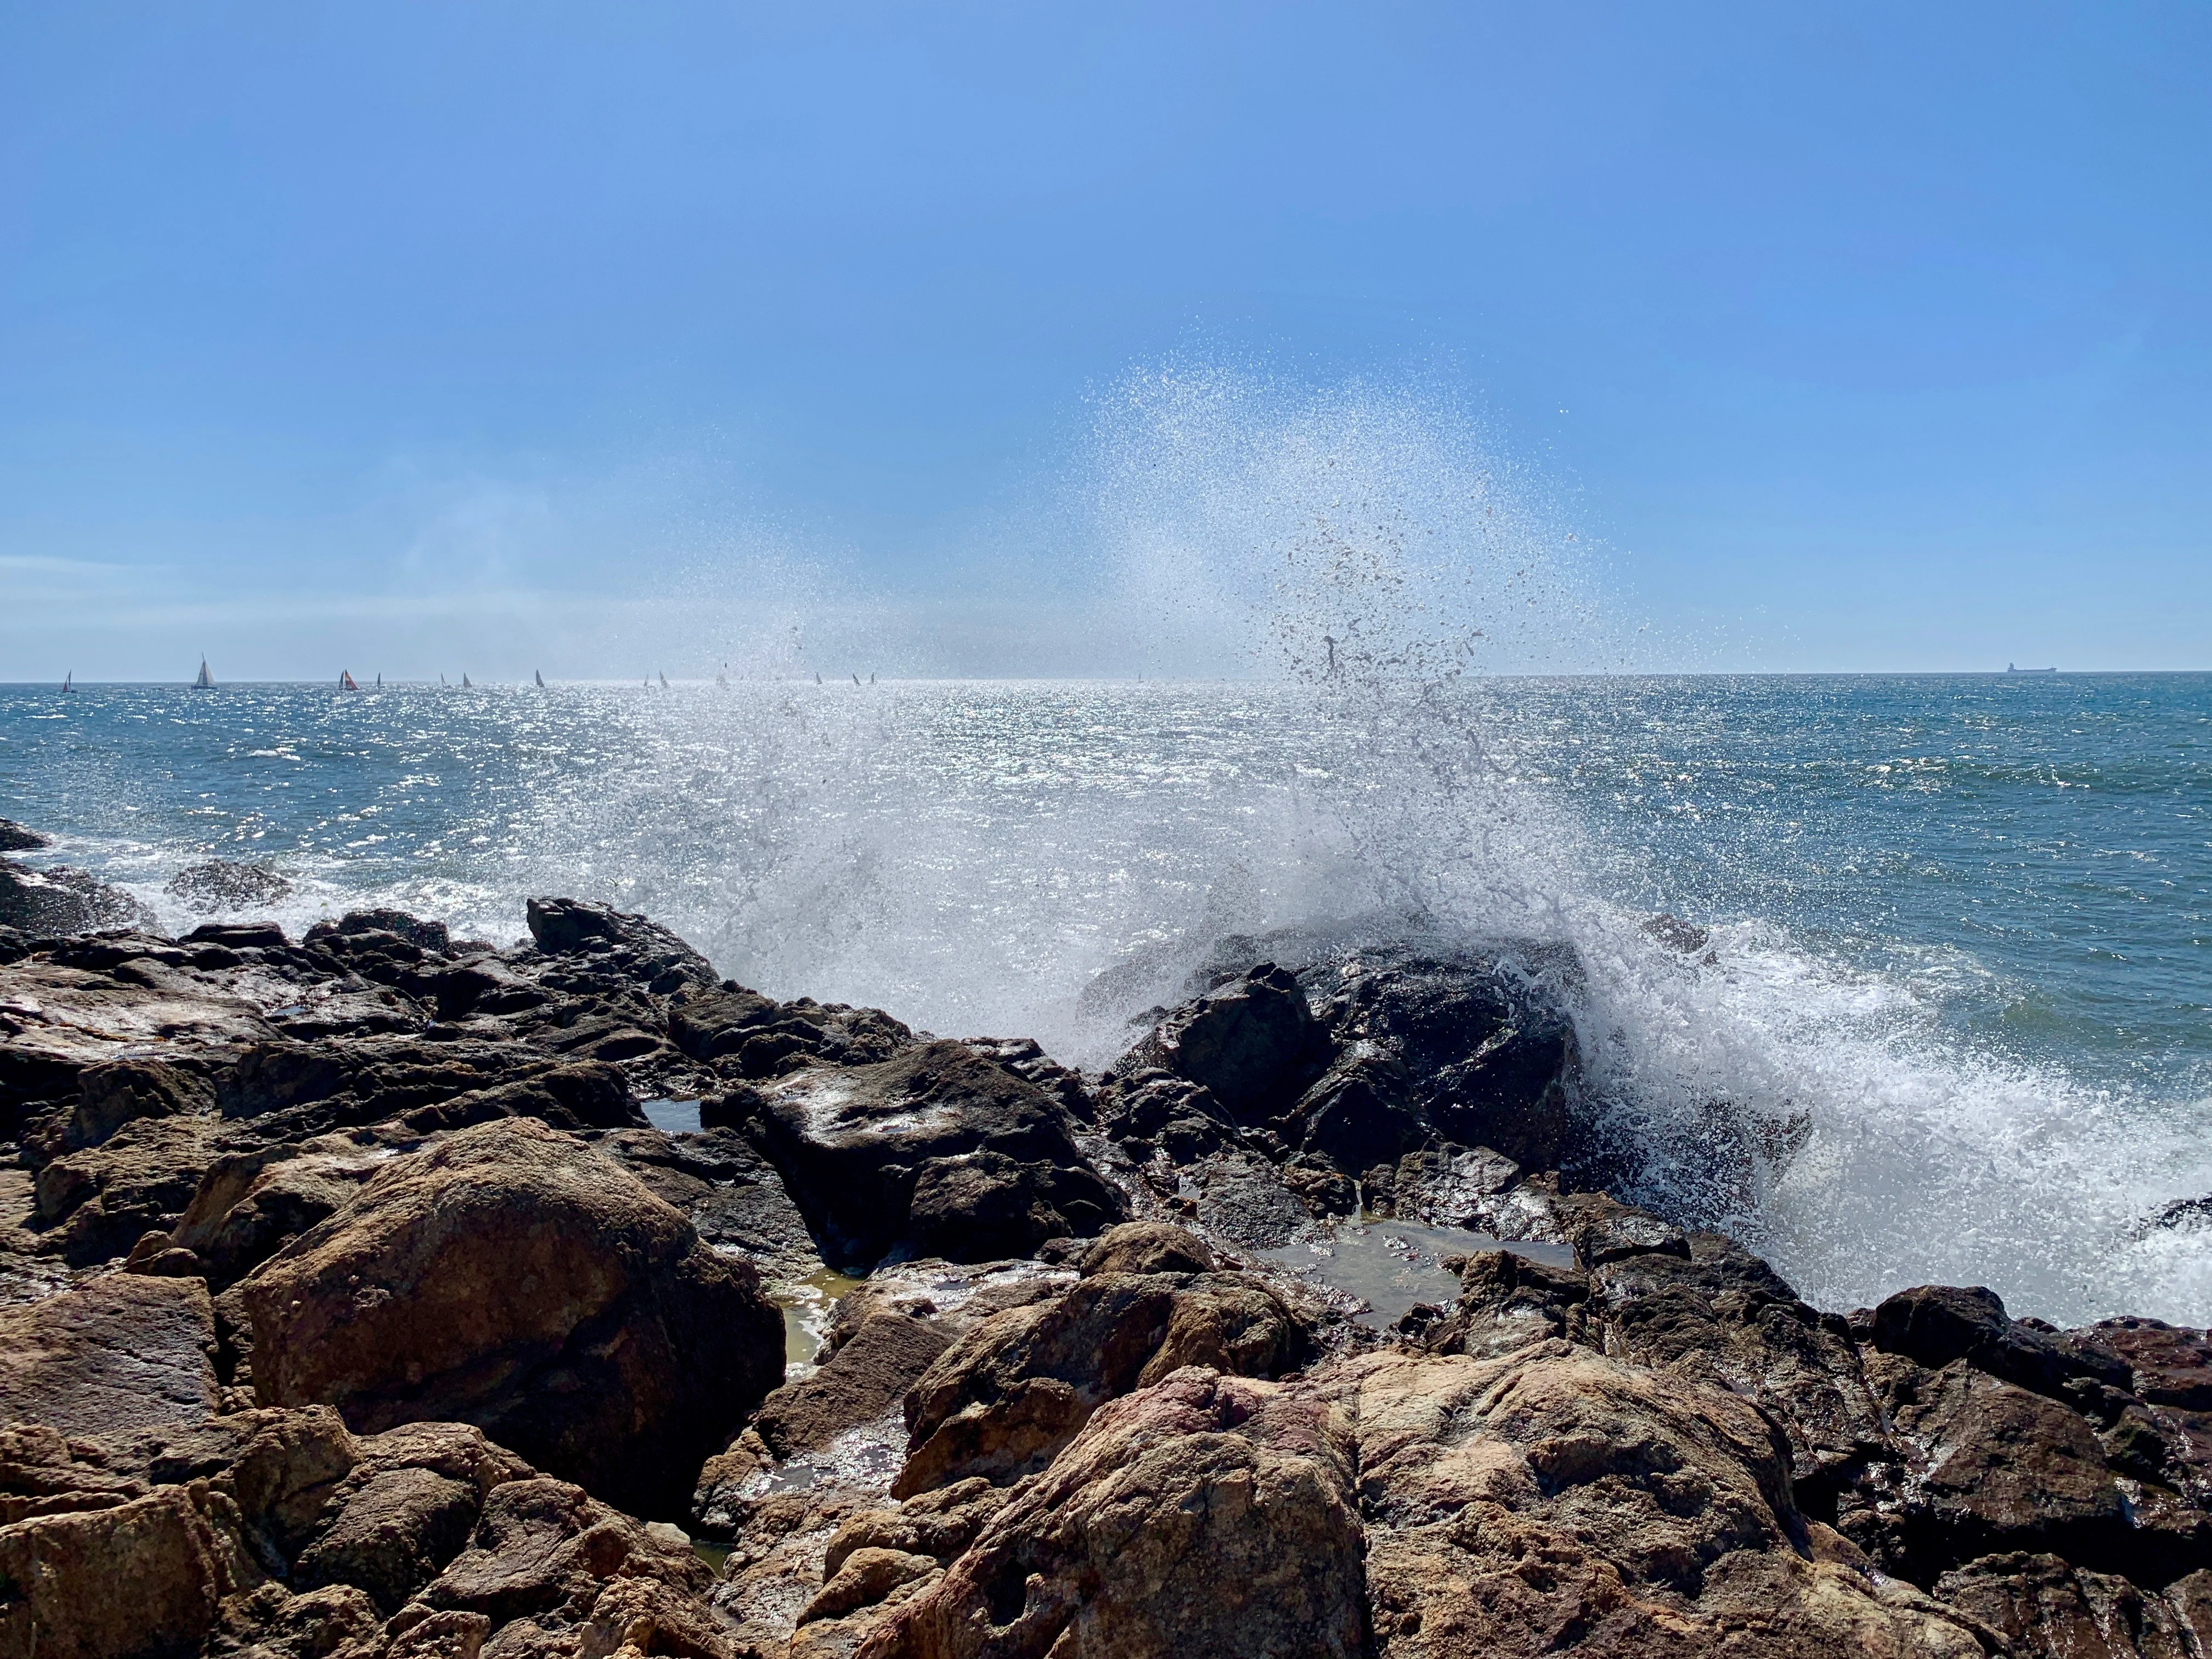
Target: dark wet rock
x=118, y=1092
x=510, y=1278
x=1933, y=1325
x=2041, y=1604
x=373, y=929
x=1396, y=1054
x=1253, y=1044
x=1990, y=1467
x=60, y=900
x=223, y=885
x=598, y=939
x=15, y=838
x=936, y=1151
x=729, y=1191
x=124, y=1356
x=321, y=1086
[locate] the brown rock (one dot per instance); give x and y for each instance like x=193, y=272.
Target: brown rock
x=1014, y=1389
x=1557, y=1500
x=867, y=1377
x=144, y=1578
x=124, y=1356
x=513, y=1279
x=1204, y=1514
x=1147, y=1247
x=544, y=1547
x=98, y=1202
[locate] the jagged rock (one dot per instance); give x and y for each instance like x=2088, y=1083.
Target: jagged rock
x=624, y=944
x=545, y=1547
x=123, y=1356
x=1018, y=1386
x=2042, y=1605
x=60, y=900
x=97, y=1203
x=56, y=1019
x=936, y=1151
x=147, y=1577
x=868, y=1374
x=15, y=838
x=751, y=1037
x=511, y=1278
x=731, y=1193
x=291, y=1090
x=223, y=885
x=1992, y=1468
x=1935, y=1324
x=1253, y=1044
x=1554, y=1499
x=120, y=1091
x=1204, y=1514
x=249, y=1205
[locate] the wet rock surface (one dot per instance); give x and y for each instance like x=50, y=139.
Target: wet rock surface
x=350, y=1305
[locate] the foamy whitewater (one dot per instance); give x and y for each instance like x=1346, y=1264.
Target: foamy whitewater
x=1956, y=982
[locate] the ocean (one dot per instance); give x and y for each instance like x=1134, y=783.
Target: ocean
x=1958, y=951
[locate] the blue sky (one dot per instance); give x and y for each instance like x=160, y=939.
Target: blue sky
x=1849, y=336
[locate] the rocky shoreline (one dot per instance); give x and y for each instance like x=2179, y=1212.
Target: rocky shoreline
x=351, y=1303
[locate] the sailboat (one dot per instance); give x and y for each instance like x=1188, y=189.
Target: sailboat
x=722, y=676
x=346, y=681
x=379, y=681
x=465, y=686
x=539, y=677
x=441, y=679
x=206, y=681
x=664, y=682
x=66, y=678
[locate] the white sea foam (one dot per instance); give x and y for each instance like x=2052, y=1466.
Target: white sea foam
x=971, y=855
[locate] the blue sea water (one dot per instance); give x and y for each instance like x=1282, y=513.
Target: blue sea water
x=1960, y=927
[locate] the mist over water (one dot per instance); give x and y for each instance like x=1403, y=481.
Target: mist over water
x=1950, y=1023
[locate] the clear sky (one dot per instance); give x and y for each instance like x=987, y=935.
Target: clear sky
x=1866, y=336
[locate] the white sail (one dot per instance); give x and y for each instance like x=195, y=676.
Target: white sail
x=206, y=681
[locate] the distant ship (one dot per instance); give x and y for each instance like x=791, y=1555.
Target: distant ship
x=539, y=677
x=379, y=681
x=2009, y=668
x=67, y=679
x=206, y=681
x=346, y=681
x=465, y=686
x=664, y=682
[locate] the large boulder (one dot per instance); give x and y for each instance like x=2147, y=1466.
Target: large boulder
x=1555, y=1500
x=511, y=1278
x=935, y=1152
x=1363, y=1055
